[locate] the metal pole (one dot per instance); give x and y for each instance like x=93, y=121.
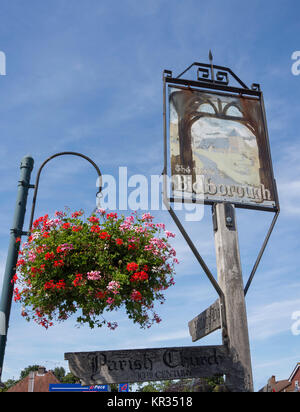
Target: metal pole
x=231, y=282
x=12, y=256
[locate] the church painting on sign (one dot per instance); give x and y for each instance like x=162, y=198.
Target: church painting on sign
x=219, y=147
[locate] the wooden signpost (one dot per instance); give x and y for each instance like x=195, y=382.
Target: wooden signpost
x=231, y=281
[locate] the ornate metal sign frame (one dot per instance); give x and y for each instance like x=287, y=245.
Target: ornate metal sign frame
x=213, y=83
x=210, y=77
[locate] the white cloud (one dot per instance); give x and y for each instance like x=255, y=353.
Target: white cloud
x=272, y=319
x=289, y=192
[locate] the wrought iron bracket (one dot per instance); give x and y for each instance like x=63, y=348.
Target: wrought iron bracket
x=214, y=219
x=230, y=223
x=229, y=217
x=211, y=76
x=36, y=186
x=25, y=184
x=18, y=232
x=261, y=252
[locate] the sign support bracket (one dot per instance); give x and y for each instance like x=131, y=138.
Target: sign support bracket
x=261, y=252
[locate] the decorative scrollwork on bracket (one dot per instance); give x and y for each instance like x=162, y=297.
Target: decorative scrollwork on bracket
x=207, y=75
x=222, y=77
x=256, y=87
x=213, y=75
x=167, y=73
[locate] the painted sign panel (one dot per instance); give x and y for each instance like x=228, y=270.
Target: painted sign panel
x=141, y=365
x=219, y=148
x=206, y=323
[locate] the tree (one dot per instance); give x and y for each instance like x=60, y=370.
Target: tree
x=59, y=373
x=6, y=385
x=214, y=384
x=70, y=378
x=153, y=386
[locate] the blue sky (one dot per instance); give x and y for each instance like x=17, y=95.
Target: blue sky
x=86, y=76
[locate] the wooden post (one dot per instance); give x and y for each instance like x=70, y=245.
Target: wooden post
x=231, y=282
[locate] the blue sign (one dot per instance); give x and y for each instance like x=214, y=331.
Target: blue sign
x=76, y=387
x=123, y=387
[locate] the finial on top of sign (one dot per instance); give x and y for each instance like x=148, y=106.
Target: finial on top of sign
x=210, y=56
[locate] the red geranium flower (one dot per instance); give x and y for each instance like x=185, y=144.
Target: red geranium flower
x=49, y=255
x=100, y=295
x=58, y=263
x=77, y=228
x=132, y=267
x=93, y=219
x=136, y=296
x=14, y=279
x=20, y=262
x=104, y=235
x=76, y=214
x=95, y=229
x=17, y=295
x=77, y=281
x=112, y=216
x=139, y=276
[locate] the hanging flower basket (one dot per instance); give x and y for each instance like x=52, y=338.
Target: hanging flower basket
x=97, y=264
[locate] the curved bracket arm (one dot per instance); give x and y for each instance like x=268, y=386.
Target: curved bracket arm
x=41, y=168
x=261, y=252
